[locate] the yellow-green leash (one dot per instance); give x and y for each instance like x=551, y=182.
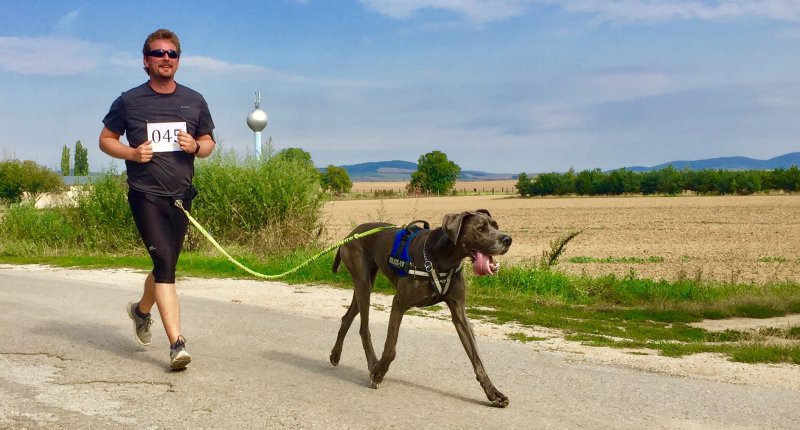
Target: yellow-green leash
x=208, y=236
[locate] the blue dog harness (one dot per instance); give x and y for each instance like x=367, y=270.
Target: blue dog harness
x=400, y=259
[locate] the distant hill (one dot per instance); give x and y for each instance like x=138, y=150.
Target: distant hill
x=728, y=163
x=397, y=170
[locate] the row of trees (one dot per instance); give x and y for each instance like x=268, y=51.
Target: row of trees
x=81, y=160
x=436, y=174
x=664, y=181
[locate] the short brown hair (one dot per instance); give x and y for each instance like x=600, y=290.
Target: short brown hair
x=161, y=33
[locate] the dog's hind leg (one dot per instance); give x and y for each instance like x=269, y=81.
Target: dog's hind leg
x=363, y=289
x=467, y=337
x=363, y=272
x=347, y=320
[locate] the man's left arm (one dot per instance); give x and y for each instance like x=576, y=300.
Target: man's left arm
x=200, y=147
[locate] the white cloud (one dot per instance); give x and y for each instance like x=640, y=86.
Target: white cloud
x=778, y=102
x=212, y=65
x=617, y=85
x=47, y=56
x=52, y=56
x=479, y=11
x=209, y=64
x=68, y=23
x=485, y=11
x=706, y=10
x=555, y=118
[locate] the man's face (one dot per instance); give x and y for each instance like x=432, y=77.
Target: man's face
x=163, y=67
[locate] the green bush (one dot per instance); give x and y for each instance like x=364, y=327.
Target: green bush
x=273, y=203
x=26, y=229
x=99, y=222
x=20, y=177
x=102, y=216
x=263, y=205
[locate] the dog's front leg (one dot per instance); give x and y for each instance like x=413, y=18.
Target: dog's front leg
x=362, y=294
x=468, y=340
x=390, y=348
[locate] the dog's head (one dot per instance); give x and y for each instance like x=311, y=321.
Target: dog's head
x=477, y=232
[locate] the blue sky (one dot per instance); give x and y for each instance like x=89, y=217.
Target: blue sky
x=502, y=86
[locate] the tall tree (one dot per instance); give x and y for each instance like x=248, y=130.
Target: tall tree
x=435, y=174
x=65, y=161
x=20, y=177
x=336, y=180
x=295, y=154
x=524, y=184
x=81, y=160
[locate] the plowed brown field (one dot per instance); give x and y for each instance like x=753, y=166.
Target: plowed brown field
x=728, y=238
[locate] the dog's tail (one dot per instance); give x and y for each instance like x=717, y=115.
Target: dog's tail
x=336, y=260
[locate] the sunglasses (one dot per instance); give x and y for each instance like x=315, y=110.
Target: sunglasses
x=159, y=53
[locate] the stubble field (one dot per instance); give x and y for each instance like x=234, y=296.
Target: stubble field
x=720, y=238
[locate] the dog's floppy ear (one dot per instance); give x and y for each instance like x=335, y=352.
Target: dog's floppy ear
x=452, y=224
x=484, y=211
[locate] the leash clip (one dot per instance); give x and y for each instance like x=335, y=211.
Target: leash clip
x=179, y=203
x=428, y=266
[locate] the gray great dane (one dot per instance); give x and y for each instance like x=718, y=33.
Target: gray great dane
x=472, y=234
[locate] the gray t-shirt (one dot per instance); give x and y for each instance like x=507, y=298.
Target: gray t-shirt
x=168, y=174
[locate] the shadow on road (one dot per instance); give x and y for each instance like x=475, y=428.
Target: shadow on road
x=351, y=374
x=102, y=337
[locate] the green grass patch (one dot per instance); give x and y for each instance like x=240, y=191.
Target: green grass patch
x=766, y=354
x=524, y=338
x=616, y=260
x=767, y=259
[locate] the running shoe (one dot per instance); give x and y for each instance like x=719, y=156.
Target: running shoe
x=141, y=326
x=179, y=357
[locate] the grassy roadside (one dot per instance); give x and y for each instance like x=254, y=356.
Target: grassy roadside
x=607, y=311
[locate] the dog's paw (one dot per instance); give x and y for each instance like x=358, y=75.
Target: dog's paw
x=374, y=378
x=500, y=401
x=335, y=358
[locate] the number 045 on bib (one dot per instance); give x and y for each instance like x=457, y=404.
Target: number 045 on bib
x=164, y=135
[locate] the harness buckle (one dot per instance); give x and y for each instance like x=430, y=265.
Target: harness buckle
x=428, y=266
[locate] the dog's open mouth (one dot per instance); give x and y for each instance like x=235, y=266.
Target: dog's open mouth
x=483, y=264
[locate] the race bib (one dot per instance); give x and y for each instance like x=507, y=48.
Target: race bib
x=164, y=135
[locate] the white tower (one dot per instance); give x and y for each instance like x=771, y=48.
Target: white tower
x=257, y=121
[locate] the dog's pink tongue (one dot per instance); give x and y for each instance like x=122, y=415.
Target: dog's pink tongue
x=483, y=264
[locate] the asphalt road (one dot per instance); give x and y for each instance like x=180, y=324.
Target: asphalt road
x=68, y=360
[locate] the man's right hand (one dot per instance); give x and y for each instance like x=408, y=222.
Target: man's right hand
x=143, y=153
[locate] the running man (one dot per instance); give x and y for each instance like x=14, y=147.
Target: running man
x=167, y=126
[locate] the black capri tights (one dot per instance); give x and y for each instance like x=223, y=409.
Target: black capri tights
x=162, y=227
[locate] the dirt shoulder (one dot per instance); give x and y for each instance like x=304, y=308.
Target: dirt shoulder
x=318, y=301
